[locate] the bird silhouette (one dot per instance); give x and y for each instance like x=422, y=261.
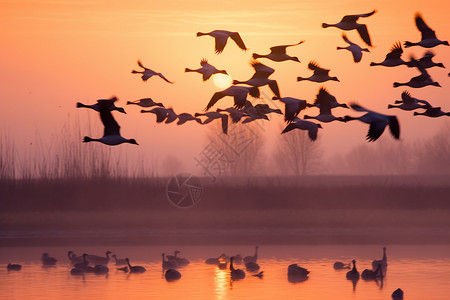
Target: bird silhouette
x=311, y=127
x=261, y=77
x=147, y=73
x=221, y=38
x=393, y=58
x=319, y=75
x=355, y=49
x=206, y=70
x=278, y=53
x=429, y=39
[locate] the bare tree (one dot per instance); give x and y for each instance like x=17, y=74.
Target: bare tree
x=297, y=154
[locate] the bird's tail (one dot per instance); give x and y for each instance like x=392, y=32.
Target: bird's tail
x=87, y=139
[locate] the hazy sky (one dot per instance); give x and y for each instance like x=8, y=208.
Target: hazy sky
x=55, y=53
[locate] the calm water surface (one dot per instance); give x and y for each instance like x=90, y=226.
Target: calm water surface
x=423, y=272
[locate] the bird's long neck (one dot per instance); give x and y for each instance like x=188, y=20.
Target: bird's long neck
x=69, y=255
x=256, y=253
x=354, y=266
x=163, y=258
x=231, y=265
x=128, y=263
x=384, y=254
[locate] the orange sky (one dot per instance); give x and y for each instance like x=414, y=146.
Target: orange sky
x=55, y=53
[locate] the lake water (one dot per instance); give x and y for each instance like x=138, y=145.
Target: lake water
x=422, y=272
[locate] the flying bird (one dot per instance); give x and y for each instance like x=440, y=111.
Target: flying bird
x=409, y=103
x=319, y=75
x=278, y=53
x=433, y=112
x=261, y=77
x=292, y=107
x=429, y=39
x=145, y=102
x=426, y=61
x=109, y=103
x=162, y=114
x=235, y=114
x=424, y=79
x=349, y=23
x=393, y=58
x=239, y=93
x=355, y=49
x=147, y=73
x=214, y=115
x=111, y=135
x=206, y=70
x=311, y=127
x=221, y=38
x=377, y=121
x=184, y=117
x=323, y=101
x=331, y=100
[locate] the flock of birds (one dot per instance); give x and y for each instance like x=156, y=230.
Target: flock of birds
x=244, y=110
x=88, y=263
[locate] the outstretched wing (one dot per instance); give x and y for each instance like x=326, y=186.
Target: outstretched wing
x=261, y=70
x=141, y=65
x=394, y=127
x=358, y=107
x=364, y=34
x=344, y=36
x=165, y=79
x=376, y=129
x=282, y=48
x=427, y=32
x=110, y=124
x=221, y=42
x=354, y=18
x=396, y=51
x=317, y=70
x=216, y=97
x=237, y=38
x=406, y=97
x=224, y=120
x=204, y=62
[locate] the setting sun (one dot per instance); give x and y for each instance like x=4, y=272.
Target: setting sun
x=222, y=81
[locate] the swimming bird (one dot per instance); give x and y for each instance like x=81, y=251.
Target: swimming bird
x=168, y=264
x=261, y=77
x=252, y=266
x=433, y=112
x=236, y=274
x=353, y=273
x=145, y=102
x=213, y=115
x=426, y=61
x=340, y=265
x=292, y=107
x=311, y=127
x=206, y=70
x=147, y=73
x=82, y=264
x=328, y=98
x=393, y=58
x=323, y=100
x=77, y=271
x=74, y=259
x=397, y=294
x=297, y=273
x=48, y=260
x=239, y=94
x=14, y=267
x=409, y=103
x=349, y=23
x=215, y=260
x=252, y=258
x=119, y=261
x=422, y=80
x=381, y=262
x=123, y=269
x=235, y=114
x=429, y=39
x=172, y=274
x=135, y=269
x=180, y=261
x=278, y=53
x=99, y=260
x=319, y=75
x=101, y=269
x=221, y=38
x=372, y=274
x=107, y=102
x=162, y=113
x=377, y=121
x=355, y=49
x=111, y=135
